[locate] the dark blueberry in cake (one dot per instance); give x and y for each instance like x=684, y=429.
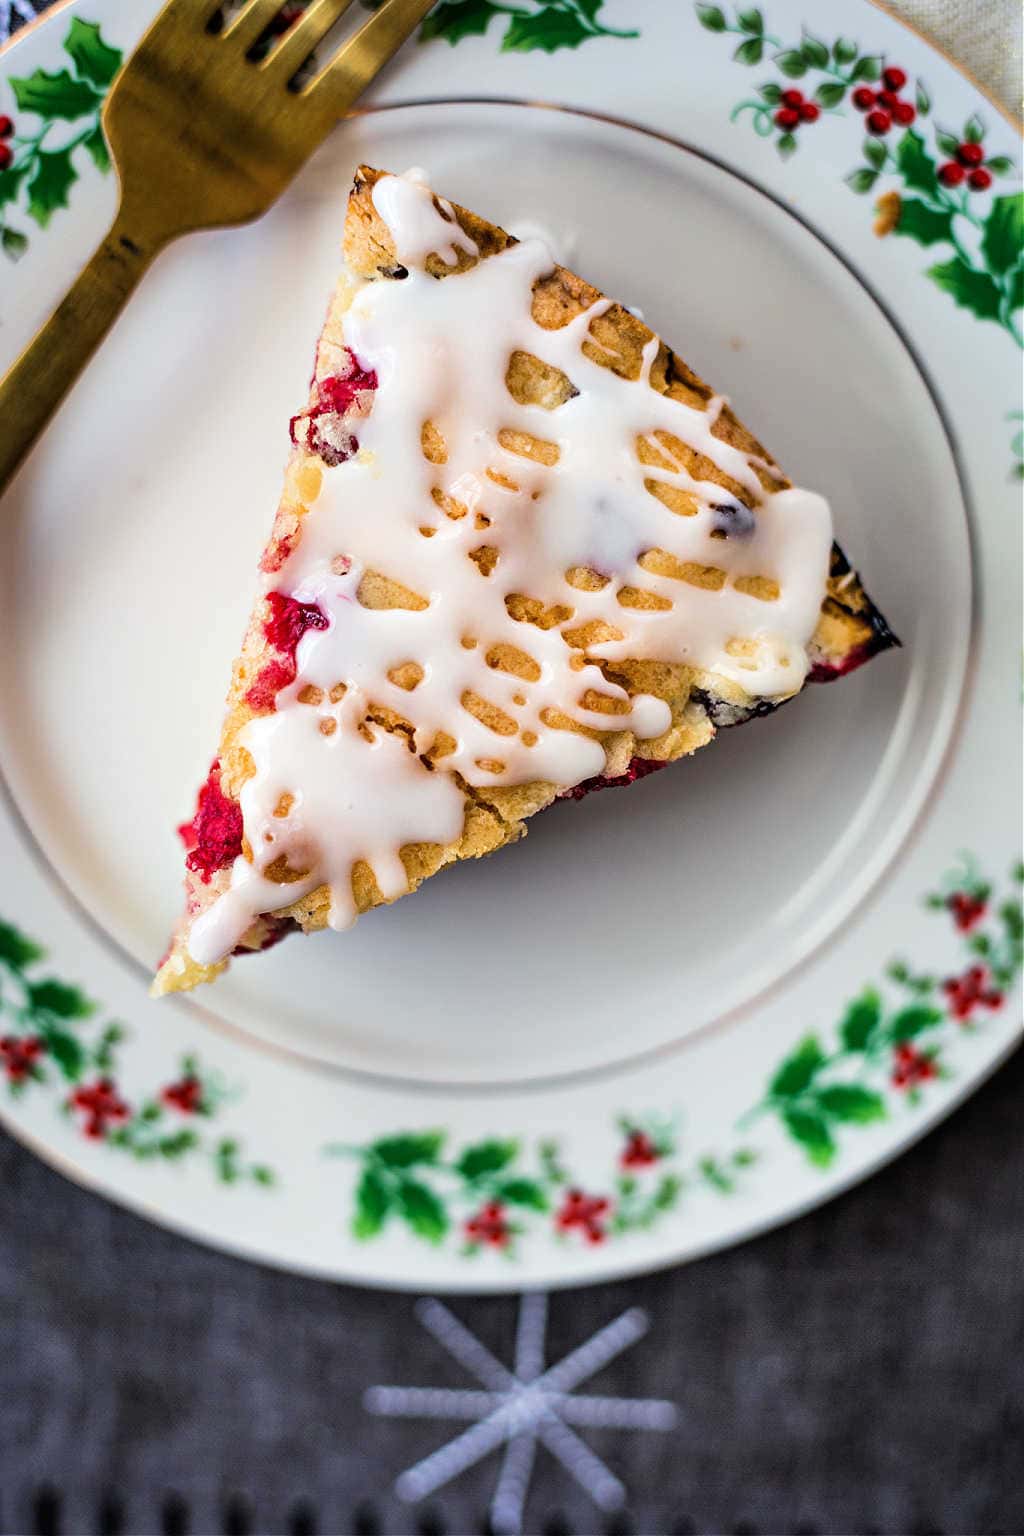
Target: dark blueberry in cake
x=732, y=520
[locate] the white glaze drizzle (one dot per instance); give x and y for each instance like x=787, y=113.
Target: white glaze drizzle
x=441, y=351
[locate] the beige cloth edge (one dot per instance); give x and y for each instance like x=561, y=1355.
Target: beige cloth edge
x=982, y=35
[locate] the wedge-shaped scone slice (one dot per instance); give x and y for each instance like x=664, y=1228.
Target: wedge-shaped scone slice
x=523, y=551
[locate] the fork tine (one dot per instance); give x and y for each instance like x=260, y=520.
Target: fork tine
x=363, y=56
x=298, y=43
x=252, y=21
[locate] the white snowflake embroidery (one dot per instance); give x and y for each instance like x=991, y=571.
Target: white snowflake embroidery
x=520, y=1407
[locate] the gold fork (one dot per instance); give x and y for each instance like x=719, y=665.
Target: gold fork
x=201, y=136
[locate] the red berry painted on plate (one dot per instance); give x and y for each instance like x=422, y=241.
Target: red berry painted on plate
x=864, y=98
x=951, y=174
x=19, y=1055
x=887, y=100
x=878, y=122
x=787, y=117
x=793, y=98
x=980, y=180
x=895, y=79
x=489, y=1226
x=5, y=156
x=810, y=112
x=101, y=1103
x=972, y=990
x=967, y=909
x=639, y=1151
x=185, y=1095
x=970, y=154
x=911, y=1066
x=6, y=126
x=904, y=113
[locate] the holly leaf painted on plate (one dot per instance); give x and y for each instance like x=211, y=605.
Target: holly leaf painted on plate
x=750, y=52
x=96, y=144
x=409, y=1150
x=913, y=1021
x=814, y=51
x=59, y=999
x=422, y=1209
x=486, y=1157
x=16, y=950
x=525, y=1192
x=851, y=1103
x=750, y=21
x=923, y=223
x=812, y=1132
x=66, y=1051
x=547, y=30
x=53, y=177
x=456, y=19
x=830, y=93
x=11, y=180
x=844, y=50
x=874, y=153
x=915, y=163
x=1015, y=288
x=792, y=63
x=94, y=60
x=373, y=1204
x=1003, y=239
x=972, y=290
x=869, y=67
x=14, y=243
x=711, y=17
x=797, y=1071
x=55, y=96
x=862, y=180
x=861, y=1020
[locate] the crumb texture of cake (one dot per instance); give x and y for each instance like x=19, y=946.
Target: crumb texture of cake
x=522, y=552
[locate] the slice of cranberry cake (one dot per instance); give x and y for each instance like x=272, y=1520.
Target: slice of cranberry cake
x=523, y=552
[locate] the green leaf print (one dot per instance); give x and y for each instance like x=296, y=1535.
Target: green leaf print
x=972, y=290
x=860, y=1021
x=55, y=96
x=812, y=1132
x=409, y=1150
x=16, y=950
x=851, y=1103
x=1003, y=240
x=923, y=223
x=486, y=1157
x=94, y=60
x=916, y=164
x=373, y=1204
x=456, y=19
x=422, y=1209
x=59, y=999
x=798, y=1070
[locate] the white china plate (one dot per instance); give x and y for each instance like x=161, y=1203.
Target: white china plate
x=598, y=1039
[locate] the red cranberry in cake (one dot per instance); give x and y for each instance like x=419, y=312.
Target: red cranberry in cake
x=213, y=838
x=324, y=427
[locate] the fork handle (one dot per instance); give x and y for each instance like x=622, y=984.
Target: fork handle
x=35, y=385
